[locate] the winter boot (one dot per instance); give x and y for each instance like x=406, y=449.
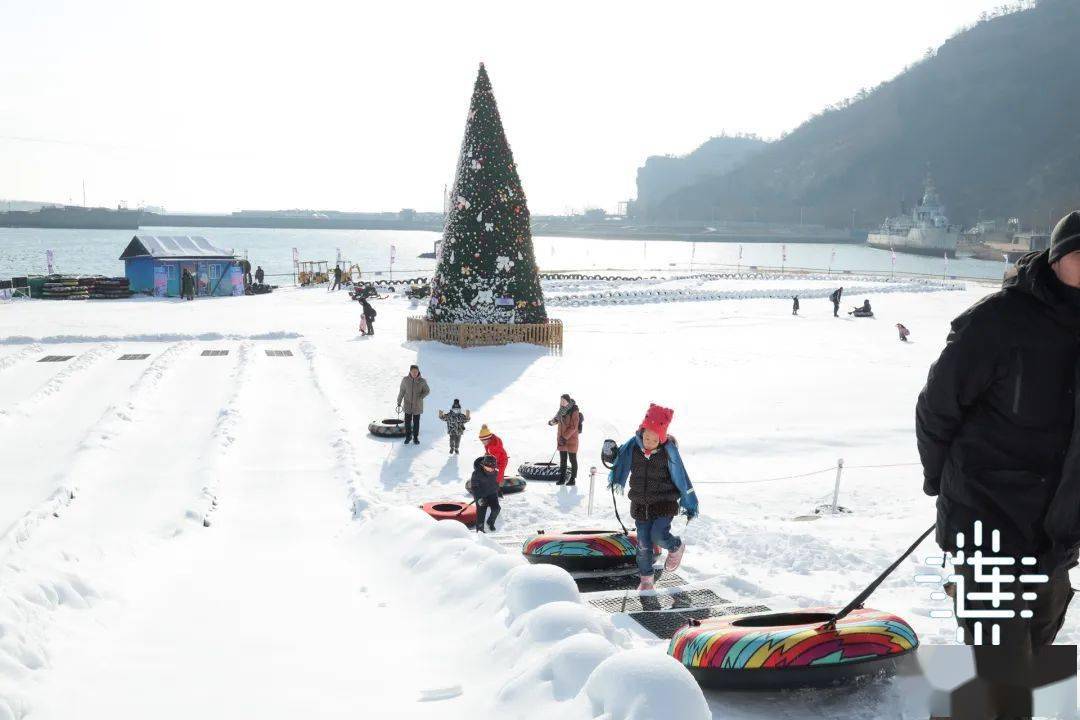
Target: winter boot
x=407, y=439
x=674, y=558
x=646, y=584
x=561, y=481
x=491, y=526
x=571, y=481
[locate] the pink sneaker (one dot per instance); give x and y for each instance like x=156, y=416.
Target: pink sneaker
x=646, y=583
x=674, y=558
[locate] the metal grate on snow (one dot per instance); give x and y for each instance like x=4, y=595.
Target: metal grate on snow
x=135, y=356
x=279, y=353
x=663, y=624
x=631, y=603
x=624, y=582
x=56, y=358
x=215, y=353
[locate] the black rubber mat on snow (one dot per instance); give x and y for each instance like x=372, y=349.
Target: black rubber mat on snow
x=632, y=602
x=279, y=353
x=56, y=358
x=663, y=624
x=215, y=353
x=624, y=582
x=135, y=356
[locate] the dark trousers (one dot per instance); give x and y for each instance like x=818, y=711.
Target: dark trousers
x=336, y=285
x=1012, y=668
x=412, y=426
x=455, y=443
x=485, y=505
x=563, y=455
x=836, y=309
x=370, y=325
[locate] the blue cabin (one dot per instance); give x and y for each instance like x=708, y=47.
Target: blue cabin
x=154, y=265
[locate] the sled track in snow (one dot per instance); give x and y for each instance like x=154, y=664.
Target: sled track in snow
x=222, y=436
x=117, y=418
x=18, y=356
x=345, y=459
x=84, y=361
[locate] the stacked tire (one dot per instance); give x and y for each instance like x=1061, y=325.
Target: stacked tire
x=62, y=288
x=115, y=288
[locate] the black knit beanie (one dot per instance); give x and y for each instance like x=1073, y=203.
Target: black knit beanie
x=457, y=403
x=1066, y=237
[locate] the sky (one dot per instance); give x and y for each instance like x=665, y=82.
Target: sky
x=200, y=105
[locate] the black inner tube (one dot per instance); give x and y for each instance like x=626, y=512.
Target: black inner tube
x=392, y=421
x=447, y=507
x=793, y=618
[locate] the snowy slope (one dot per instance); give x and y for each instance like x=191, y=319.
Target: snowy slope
x=228, y=541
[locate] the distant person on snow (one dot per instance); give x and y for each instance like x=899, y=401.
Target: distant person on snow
x=493, y=445
x=568, y=419
x=455, y=425
x=369, y=315
x=835, y=299
x=337, y=279
x=187, y=285
x=658, y=486
x=904, y=332
x=259, y=275
x=862, y=310
x=245, y=268
x=410, y=398
x=485, y=489
x=998, y=437
x=795, y=305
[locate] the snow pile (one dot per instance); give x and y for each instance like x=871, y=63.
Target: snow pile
x=554, y=653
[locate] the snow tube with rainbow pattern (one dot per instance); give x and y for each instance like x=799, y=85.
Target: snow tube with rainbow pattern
x=582, y=549
x=785, y=650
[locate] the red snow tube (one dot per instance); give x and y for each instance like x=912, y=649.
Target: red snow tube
x=451, y=510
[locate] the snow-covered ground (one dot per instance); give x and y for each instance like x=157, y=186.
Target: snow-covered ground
x=187, y=536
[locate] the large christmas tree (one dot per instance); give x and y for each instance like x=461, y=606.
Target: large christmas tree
x=486, y=269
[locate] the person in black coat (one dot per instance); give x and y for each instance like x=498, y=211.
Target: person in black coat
x=369, y=314
x=835, y=299
x=484, y=486
x=795, y=305
x=259, y=274
x=996, y=432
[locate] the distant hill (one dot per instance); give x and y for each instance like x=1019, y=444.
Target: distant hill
x=662, y=175
x=994, y=114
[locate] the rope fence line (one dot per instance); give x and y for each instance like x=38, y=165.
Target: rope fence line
x=832, y=468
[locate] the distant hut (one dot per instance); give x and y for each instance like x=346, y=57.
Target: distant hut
x=155, y=265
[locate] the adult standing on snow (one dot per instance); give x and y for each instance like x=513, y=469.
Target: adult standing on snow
x=493, y=445
x=187, y=285
x=795, y=305
x=658, y=486
x=568, y=420
x=411, y=394
x=245, y=268
x=999, y=443
x=835, y=299
x=369, y=315
x=259, y=275
x=337, y=279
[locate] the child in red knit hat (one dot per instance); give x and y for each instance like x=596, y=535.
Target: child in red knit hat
x=658, y=486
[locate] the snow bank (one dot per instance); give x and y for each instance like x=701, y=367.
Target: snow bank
x=541, y=649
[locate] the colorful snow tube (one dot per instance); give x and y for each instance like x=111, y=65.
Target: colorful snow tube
x=582, y=549
x=390, y=427
x=451, y=510
x=786, y=650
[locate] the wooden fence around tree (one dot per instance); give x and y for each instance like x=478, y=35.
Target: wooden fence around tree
x=549, y=334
